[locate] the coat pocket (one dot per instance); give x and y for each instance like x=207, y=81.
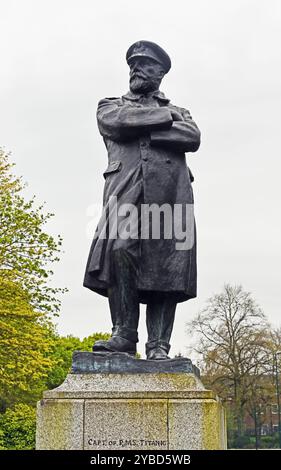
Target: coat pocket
x=112, y=168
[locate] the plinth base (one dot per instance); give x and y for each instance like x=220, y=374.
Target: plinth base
x=135, y=410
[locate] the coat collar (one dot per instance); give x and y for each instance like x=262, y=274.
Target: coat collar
x=136, y=97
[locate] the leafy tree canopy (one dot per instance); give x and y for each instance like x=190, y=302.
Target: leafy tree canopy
x=26, y=298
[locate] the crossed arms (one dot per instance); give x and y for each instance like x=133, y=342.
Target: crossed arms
x=167, y=126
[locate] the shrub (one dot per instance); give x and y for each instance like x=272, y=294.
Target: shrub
x=17, y=428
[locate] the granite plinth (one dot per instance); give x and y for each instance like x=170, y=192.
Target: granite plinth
x=130, y=410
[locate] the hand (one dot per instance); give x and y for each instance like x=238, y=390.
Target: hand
x=176, y=115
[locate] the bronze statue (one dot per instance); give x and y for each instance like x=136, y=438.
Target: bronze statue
x=146, y=139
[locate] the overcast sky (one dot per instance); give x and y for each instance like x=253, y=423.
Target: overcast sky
x=59, y=57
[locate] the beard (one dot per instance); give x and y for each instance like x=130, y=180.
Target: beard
x=141, y=84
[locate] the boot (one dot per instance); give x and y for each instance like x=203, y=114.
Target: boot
x=116, y=344
x=157, y=350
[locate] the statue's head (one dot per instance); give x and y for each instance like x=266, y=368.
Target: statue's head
x=148, y=64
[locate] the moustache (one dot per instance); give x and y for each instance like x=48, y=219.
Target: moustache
x=138, y=75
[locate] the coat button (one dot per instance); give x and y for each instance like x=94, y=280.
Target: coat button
x=168, y=160
x=144, y=159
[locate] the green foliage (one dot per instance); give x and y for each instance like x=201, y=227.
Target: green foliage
x=26, y=300
x=17, y=424
x=2, y=439
x=17, y=428
x=249, y=442
x=26, y=251
x=25, y=346
x=269, y=442
x=62, y=350
x=239, y=442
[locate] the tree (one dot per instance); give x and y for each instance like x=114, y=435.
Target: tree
x=18, y=428
x=25, y=346
x=260, y=394
x=62, y=350
x=26, y=251
x=18, y=423
x=26, y=299
x=233, y=340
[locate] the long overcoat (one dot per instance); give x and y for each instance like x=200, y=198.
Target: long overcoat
x=146, y=144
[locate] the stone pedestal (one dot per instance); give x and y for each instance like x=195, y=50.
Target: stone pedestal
x=111, y=402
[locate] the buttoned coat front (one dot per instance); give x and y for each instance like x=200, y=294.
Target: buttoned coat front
x=146, y=141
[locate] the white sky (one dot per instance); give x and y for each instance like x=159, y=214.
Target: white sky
x=58, y=58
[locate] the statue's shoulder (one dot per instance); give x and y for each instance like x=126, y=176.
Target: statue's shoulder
x=109, y=100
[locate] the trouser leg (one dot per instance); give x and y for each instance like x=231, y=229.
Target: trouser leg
x=160, y=315
x=123, y=303
x=123, y=295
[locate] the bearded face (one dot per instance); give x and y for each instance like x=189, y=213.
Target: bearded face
x=145, y=75
x=141, y=84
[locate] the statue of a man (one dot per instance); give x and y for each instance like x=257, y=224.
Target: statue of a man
x=146, y=138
